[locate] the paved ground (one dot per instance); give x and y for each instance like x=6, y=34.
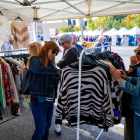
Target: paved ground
x=22, y=128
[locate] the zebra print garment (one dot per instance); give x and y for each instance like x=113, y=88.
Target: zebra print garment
x=94, y=105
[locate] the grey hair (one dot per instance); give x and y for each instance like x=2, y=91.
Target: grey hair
x=66, y=38
x=100, y=37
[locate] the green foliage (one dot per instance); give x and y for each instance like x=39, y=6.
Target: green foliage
x=63, y=30
x=119, y=17
x=108, y=22
x=70, y=28
x=137, y=20
x=116, y=24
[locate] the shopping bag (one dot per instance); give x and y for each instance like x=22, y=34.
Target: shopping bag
x=25, y=82
x=26, y=103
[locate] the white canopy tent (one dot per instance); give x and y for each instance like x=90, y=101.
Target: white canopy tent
x=44, y=10
x=96, y=32
x=85, y=33
x=49, y=10
x=122, y=31
x=133, y=31
x=78, y=33
x=110, y=32
x=90, y=32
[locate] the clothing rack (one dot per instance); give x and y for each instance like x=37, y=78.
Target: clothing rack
x=14, y=50
x=20, y=53
x=79, y=90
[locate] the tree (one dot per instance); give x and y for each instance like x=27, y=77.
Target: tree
x=116, y=25
x=119, y=17
x=90, y=24
x=102, y=22
x=122, y=23
x=129, y=20
x=63, y=30
x=137, y=20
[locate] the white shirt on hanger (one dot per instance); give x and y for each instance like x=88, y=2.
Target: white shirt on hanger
x=4, y=27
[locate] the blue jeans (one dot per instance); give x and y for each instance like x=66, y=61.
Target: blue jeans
x=42, y=114
x=137, y=126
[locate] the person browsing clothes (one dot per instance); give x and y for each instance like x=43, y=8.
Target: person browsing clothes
x=127, y=98
x=43, y=74
x=71, y=51
x=130, y=85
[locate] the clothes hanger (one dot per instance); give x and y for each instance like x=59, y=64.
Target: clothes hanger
x=85, y=60
x=1, y=13
x=19, y=18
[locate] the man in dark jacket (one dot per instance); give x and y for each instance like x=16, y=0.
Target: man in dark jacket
x=71, y=53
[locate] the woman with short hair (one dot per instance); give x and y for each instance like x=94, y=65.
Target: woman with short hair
x=71, y=52
x=84, y=44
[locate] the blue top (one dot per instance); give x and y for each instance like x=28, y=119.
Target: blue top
x=106, y=44
x=42, y=80
x=79, y=47
x=132, y=87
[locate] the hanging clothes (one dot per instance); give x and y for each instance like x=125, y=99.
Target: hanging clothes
x=5, y=47
x=20, y=33
x=16, y=99
x=4, y=27
x=1, y=94
x=95, y=104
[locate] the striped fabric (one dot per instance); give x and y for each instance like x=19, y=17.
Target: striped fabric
x=21, y=35
x=95, y=104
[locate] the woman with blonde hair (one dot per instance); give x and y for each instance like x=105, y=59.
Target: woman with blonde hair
x=84, y=44
x=43, y=73
x=34, y=48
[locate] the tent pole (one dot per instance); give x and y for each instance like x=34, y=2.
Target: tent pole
x=35, y=30
x=81, y=29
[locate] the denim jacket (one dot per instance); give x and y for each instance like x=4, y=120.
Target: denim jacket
x=42, y=78
x=133, y=88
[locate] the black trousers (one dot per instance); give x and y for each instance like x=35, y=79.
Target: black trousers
x=129, y=127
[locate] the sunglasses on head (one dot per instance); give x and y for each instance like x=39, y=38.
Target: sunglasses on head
x=135, y=51
x=84, y=45
x=54, y=52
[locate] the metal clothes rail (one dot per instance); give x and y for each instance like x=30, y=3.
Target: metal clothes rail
x=14, y=50
x=79, y=89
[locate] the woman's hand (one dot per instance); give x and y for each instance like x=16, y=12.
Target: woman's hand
x=115, y=73
x=20, y=71
x=123, y=75
x=133, y=60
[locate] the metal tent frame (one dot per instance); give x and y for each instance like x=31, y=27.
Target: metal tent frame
x=44, y=10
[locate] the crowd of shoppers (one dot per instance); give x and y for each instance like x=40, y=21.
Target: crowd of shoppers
x=43, y=72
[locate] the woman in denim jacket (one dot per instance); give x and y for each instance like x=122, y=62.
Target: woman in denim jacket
x=132, y=86
x=43, y=75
